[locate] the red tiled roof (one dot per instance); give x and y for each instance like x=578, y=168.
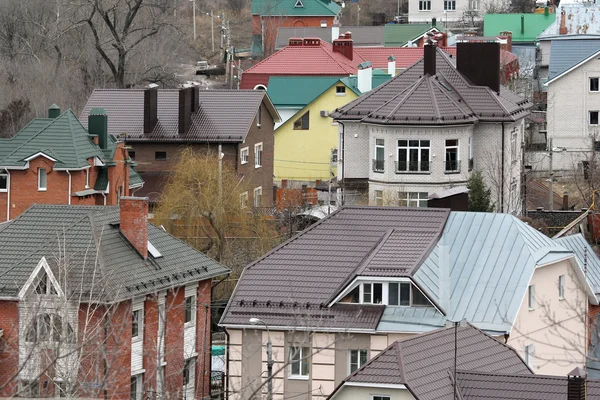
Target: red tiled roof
x=405, y=56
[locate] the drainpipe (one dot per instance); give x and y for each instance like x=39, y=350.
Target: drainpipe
x=104, y=195
x=8, y=196
x=227, y=364
x=68, y=173
x=343, y=158
x=502, y=176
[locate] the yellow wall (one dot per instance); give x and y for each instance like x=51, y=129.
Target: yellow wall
x=304, y=155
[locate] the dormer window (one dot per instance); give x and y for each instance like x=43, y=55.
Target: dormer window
x=403, y=293
x=299, y=4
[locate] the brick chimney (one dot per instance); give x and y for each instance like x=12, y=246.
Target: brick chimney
x=563, y=23
x=150, y=109
x=429, y=53
x=134, y=222
x=344, y=45
x=507, y=36
x=478, y=59
x=185, y=110
x=98, y=126
x=576, y=383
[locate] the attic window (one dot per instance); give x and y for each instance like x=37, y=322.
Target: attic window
x=302, y=122
x=340, y=90
x=152, y=250
x=299, y=4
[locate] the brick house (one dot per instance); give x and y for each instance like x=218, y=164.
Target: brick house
x=55, y=160
x=100, y=303
x=157, y=124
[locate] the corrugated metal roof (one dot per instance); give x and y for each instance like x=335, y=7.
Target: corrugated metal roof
x=580, y=246
x=361, y=35
x=288, y=8
x=298, y=91
x=565, y=54
x=398, y=35
x=581, y=18
x=533, y=25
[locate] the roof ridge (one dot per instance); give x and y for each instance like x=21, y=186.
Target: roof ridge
x=436, y=108
x=438, y=83
x=407, y=93
x=477, y=372
x=71, y=115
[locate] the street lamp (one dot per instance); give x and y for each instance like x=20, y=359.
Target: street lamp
x=256, y=321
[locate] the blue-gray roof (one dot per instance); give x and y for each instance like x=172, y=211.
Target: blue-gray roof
x=565, y=54
x=580, y=246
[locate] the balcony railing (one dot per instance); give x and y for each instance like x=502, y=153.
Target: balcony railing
x=408, y=167
x=378, y=165
x=452, y=166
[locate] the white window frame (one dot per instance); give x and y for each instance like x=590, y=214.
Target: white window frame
x=513, y=146
x=258, y=150
x=529, y=355
x=45, y=173
x=449, y=5
x=597, y=84
x=244, y=200
x=420, y=148
x=410, y=286
x=302, y=374
x=358, y=364
x=531, y=304
x=244, y=153
x=590, y=117
x=4, y=174
x=340, y=90
x=424, y=5
x=138, y=306
x=413, y=199
x=450, y=147
x=189, y=364
x=193, y=310
x=87, y=178
x=380, y=397
x=371, y=286
x=561, y=287
x=138, y=386
x=259, y=191
x=378, y=196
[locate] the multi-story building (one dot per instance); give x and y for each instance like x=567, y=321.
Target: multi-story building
x=97, y=303
x=428, y=128
x=446, y=11
x=56, y=160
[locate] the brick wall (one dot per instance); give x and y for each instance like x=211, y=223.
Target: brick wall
x=134, y=214
x=150, y=343
x=203, y=339
x=118, y=351
x=9, y=347
x=175, y=306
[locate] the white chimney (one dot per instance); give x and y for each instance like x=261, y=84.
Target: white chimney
x=392, y=65
x=335, y=32
x=365, y=77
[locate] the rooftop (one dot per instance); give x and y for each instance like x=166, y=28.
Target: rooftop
x=295, y=8
x=566, y=54
x=524, y=27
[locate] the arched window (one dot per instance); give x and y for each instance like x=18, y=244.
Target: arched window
x=260, y=87
x=49, y=328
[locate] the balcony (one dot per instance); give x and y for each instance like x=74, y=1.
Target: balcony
x=413, y=167
x=452, y=166
x=378, y=165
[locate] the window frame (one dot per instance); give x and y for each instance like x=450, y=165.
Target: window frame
x=258, y=150
x=340, y=90
x=157, y=158
x=87, y=178
x=422, y=166
x=448, y=3
x=380, y=397
x=188, y=369
x=259, y=116
x=302, y=361
x=259, y=191
x=378, y=196
x=424, y=5
x=4, y=176
x=379, y=164
x=531, y=303
x=135, y=324
x=244, y=151
x=597, y=114
x=529, y=355
x=561, y=287
x=597, y=80
x=446, y=153
x=358, y=363
x=413, y=199
x=45, y=174
x=299, y=122
x=138, y=381
x=470, y=153
x=244, y=200
x=189, y=317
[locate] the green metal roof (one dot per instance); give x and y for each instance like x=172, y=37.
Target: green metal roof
x=298, y=91
x=134, y=178
x=398, y=35
x=288, y=7
x=102, y=180
x=533, y=25
x=379, y=77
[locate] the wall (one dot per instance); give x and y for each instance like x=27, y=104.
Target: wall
x=561, y=348
x=366, y=393
x=9, y=357
x=437, y=11
x=285, y=114
x=305, y=155
x=357, y=163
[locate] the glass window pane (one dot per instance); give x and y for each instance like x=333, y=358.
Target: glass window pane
x=452, y=142
x=413, y=143
x=3, y=182
x=366, y=293
x=424, y=143
x=363, y=357
x=379, y=153
x=393, y=294
x=305, y=354
x=377, y=293
x=405, y=294
x=402, y=143
x=379, y=142
x=418, y=299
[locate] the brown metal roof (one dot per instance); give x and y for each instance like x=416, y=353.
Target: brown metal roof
x=412, y=98
x=506, y=386
x=424, y=363
x=224, y=115
x=309, y=270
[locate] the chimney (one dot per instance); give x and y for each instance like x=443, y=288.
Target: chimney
x=185, y=108
x=134, y=222
x=98, y=126
x=479, y=61
x=195, y=103
x=344, y=45
x=429, y=52
x=565, y=205
x=295, y=42
x=563, y=22
x=576, y=381
x=150, y=109
x=507, y=35
x=365, y=77
x=335, y=32
x=53, y=111
x=392, y=65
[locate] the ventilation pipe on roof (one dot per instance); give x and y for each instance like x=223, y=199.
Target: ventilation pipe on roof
x=392, y=65
x=522, y=24
x=98, y=126
x=185, y=110
x=53, y=111
x=563, y=23
x=365, y=77
x=576, y=385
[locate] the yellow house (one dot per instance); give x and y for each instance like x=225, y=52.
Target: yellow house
x=306, y=141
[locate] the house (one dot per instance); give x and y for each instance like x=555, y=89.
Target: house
x=365, y=277
x=448, y=11
x=268, y=16
x=306, y=128
x=426, y=129
x=56, y=160
x=157, y=124
x=95, y=302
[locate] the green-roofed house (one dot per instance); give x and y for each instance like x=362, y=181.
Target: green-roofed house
x=525, y=28
x=55, y=160
x=304, y=104
x=269, y=15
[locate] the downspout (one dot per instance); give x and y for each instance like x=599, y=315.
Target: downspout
x=104, y=195
x=8, y=197
x=68, y=173
x=342, y=164
x=227, y=364
x=502, y=176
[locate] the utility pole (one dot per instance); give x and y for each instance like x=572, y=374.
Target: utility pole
x=550, y=193
x=194, y=16
x=222, y=27
x=229, y=67
x=212, y=30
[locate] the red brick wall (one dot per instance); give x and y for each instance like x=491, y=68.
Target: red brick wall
x=150, y=342
x=9, y=346
x=203, y=342
x=118, y=350
x=90, y=335
x=134, y=214
x=175, y=306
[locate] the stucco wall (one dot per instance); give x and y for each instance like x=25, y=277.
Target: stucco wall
x=437, y=11
x=366, y=393
x=559, y=349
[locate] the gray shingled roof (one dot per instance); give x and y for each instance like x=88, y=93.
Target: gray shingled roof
x=565, y=54
x=448, y=97
x=224, y=115
x=102, y=264
x=424, y=363
x=505, y=386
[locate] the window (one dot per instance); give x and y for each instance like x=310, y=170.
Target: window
x=418, y=298
x=594, y=84
x=299, y=4
x=378, y=197
x=244, y=200
x=188, y=371
x=529, y=354
x=561, y=287
x=358, y=358
x=412, y=199
x=160, y=155
x=30, y=389
x=593, y=117
x=299, y=361
x=381, y=397
x=259, y=116
x=474, y=5
x=135, y=321
x=132, y=154
x=44, y=285
x=3, y=181
x=136, y=387
x=379, y=156
x=302, y=122
x=399, y=294
x=258, y=150
x=189, y=309
x=87, y=178
x=244, y=156
x=258, y=196
x=531, y=297
x=340, y=90
x=372, y=293
x=424, y=5
x=513, y=146
x=413, y=156
x=49, y=328
x=470, y=153
x=452, y=161
x=449, y=5
x=42, y=179
x=367, y=292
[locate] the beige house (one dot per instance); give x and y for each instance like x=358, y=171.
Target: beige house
x=350, y=286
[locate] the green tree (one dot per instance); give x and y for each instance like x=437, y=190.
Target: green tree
x=480, y=196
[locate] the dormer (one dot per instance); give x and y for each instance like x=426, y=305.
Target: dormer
x=399, y=292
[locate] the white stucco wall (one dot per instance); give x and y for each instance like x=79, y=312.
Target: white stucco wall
x=367, y=393
x=437, y=11
x=356, y=163
x=557, y=350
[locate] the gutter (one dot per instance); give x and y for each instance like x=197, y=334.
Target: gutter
x=227, y=364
